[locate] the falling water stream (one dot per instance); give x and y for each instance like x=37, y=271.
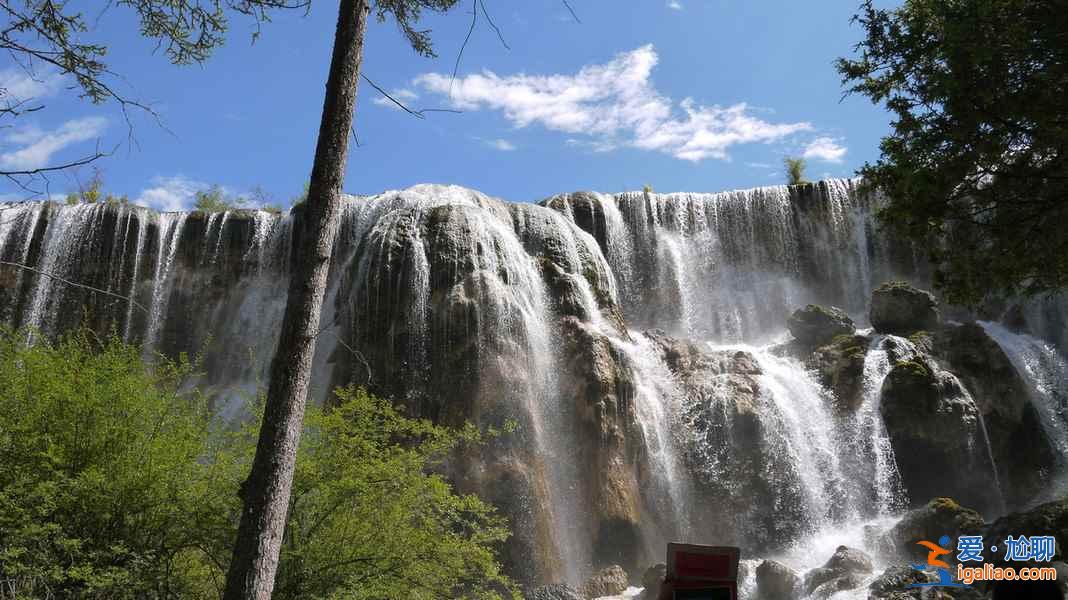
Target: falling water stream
x=418, y=272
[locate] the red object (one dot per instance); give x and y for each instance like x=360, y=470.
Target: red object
x=701, y=573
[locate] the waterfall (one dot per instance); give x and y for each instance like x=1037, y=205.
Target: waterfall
x=1046, y=373
x=728, y=266
x=170, y=233
x=865, y=437
x=462, y=307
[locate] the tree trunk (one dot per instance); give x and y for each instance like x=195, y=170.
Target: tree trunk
x=266, y=492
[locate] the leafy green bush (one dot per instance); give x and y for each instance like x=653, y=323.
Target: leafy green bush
x=795, y=170
x=214, y=199
x=101, y=494
x=118, y=484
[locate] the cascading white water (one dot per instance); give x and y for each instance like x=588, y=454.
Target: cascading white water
x=66, y=230
x=865, y=437
x=417, y=268
x=169, y=229
x=1046, y=372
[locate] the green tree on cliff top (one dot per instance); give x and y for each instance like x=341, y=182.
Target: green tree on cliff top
x=976, y=166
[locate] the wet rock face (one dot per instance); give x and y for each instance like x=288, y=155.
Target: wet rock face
x=893, y=584
x=840, y=368
x=776, y=581
x=816, y=325
x=845, y=570
x=1050, y=518
x=901, y=309
x=596, y=379
x=609, y=581
x=933, y=424
x=1018, y=442
x=750, y=496
x=939, y=517
x=481, y=314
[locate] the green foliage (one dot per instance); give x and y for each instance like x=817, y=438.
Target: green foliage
x=117, y=485
x=369, y=520
x=795, y=170
x=215, y=199
x=976, y=166
x=407, y=13
x=101, y=494
x=647, y=189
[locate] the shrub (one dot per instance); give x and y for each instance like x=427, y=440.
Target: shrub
x=795, y=170
x=117, y=484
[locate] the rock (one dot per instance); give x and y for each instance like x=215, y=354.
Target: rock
x=555, y=591
x=776, y=581
x=849, y=560
x=849, y=581
x=652, y=579
x=939, y=517
x=726, y=409
x=845, y=570
x=900, y=309
x=816, y=325
x=1050, y=518
x=933, y=425
x=893, y=583
x=595, y=374
x=609, y=581
x=817, y=577
x=1018, y=442
x=840, y=368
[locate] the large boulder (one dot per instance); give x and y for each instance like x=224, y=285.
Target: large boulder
x=894, y=584
x=1050, y=518
x=939, y=517
x=750, y=496
x=597, y=377
x=1018, y=442
x=934, y=428
x=845, y=570
x=849, y=560
x=840, y=368
x=609, y=581
x=816, y=325
x=901, y=309
x=776, y=581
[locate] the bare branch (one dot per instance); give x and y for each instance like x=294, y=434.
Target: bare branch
x=460, y=54
x=572, y=11
x=419, y=114
x=75, y=163
x=489, y=19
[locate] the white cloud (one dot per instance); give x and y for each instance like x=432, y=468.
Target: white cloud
x=171, y=193
x=18, y=85
x=614, y=104
x=501, y=144
x=38, y=146
x=825, y=149
x=403, y=95
x=674, y=5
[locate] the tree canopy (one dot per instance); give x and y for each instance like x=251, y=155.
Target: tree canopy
x=976, y=165
x=117, y=483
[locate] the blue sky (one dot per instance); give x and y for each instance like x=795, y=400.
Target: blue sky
x=683, y=95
